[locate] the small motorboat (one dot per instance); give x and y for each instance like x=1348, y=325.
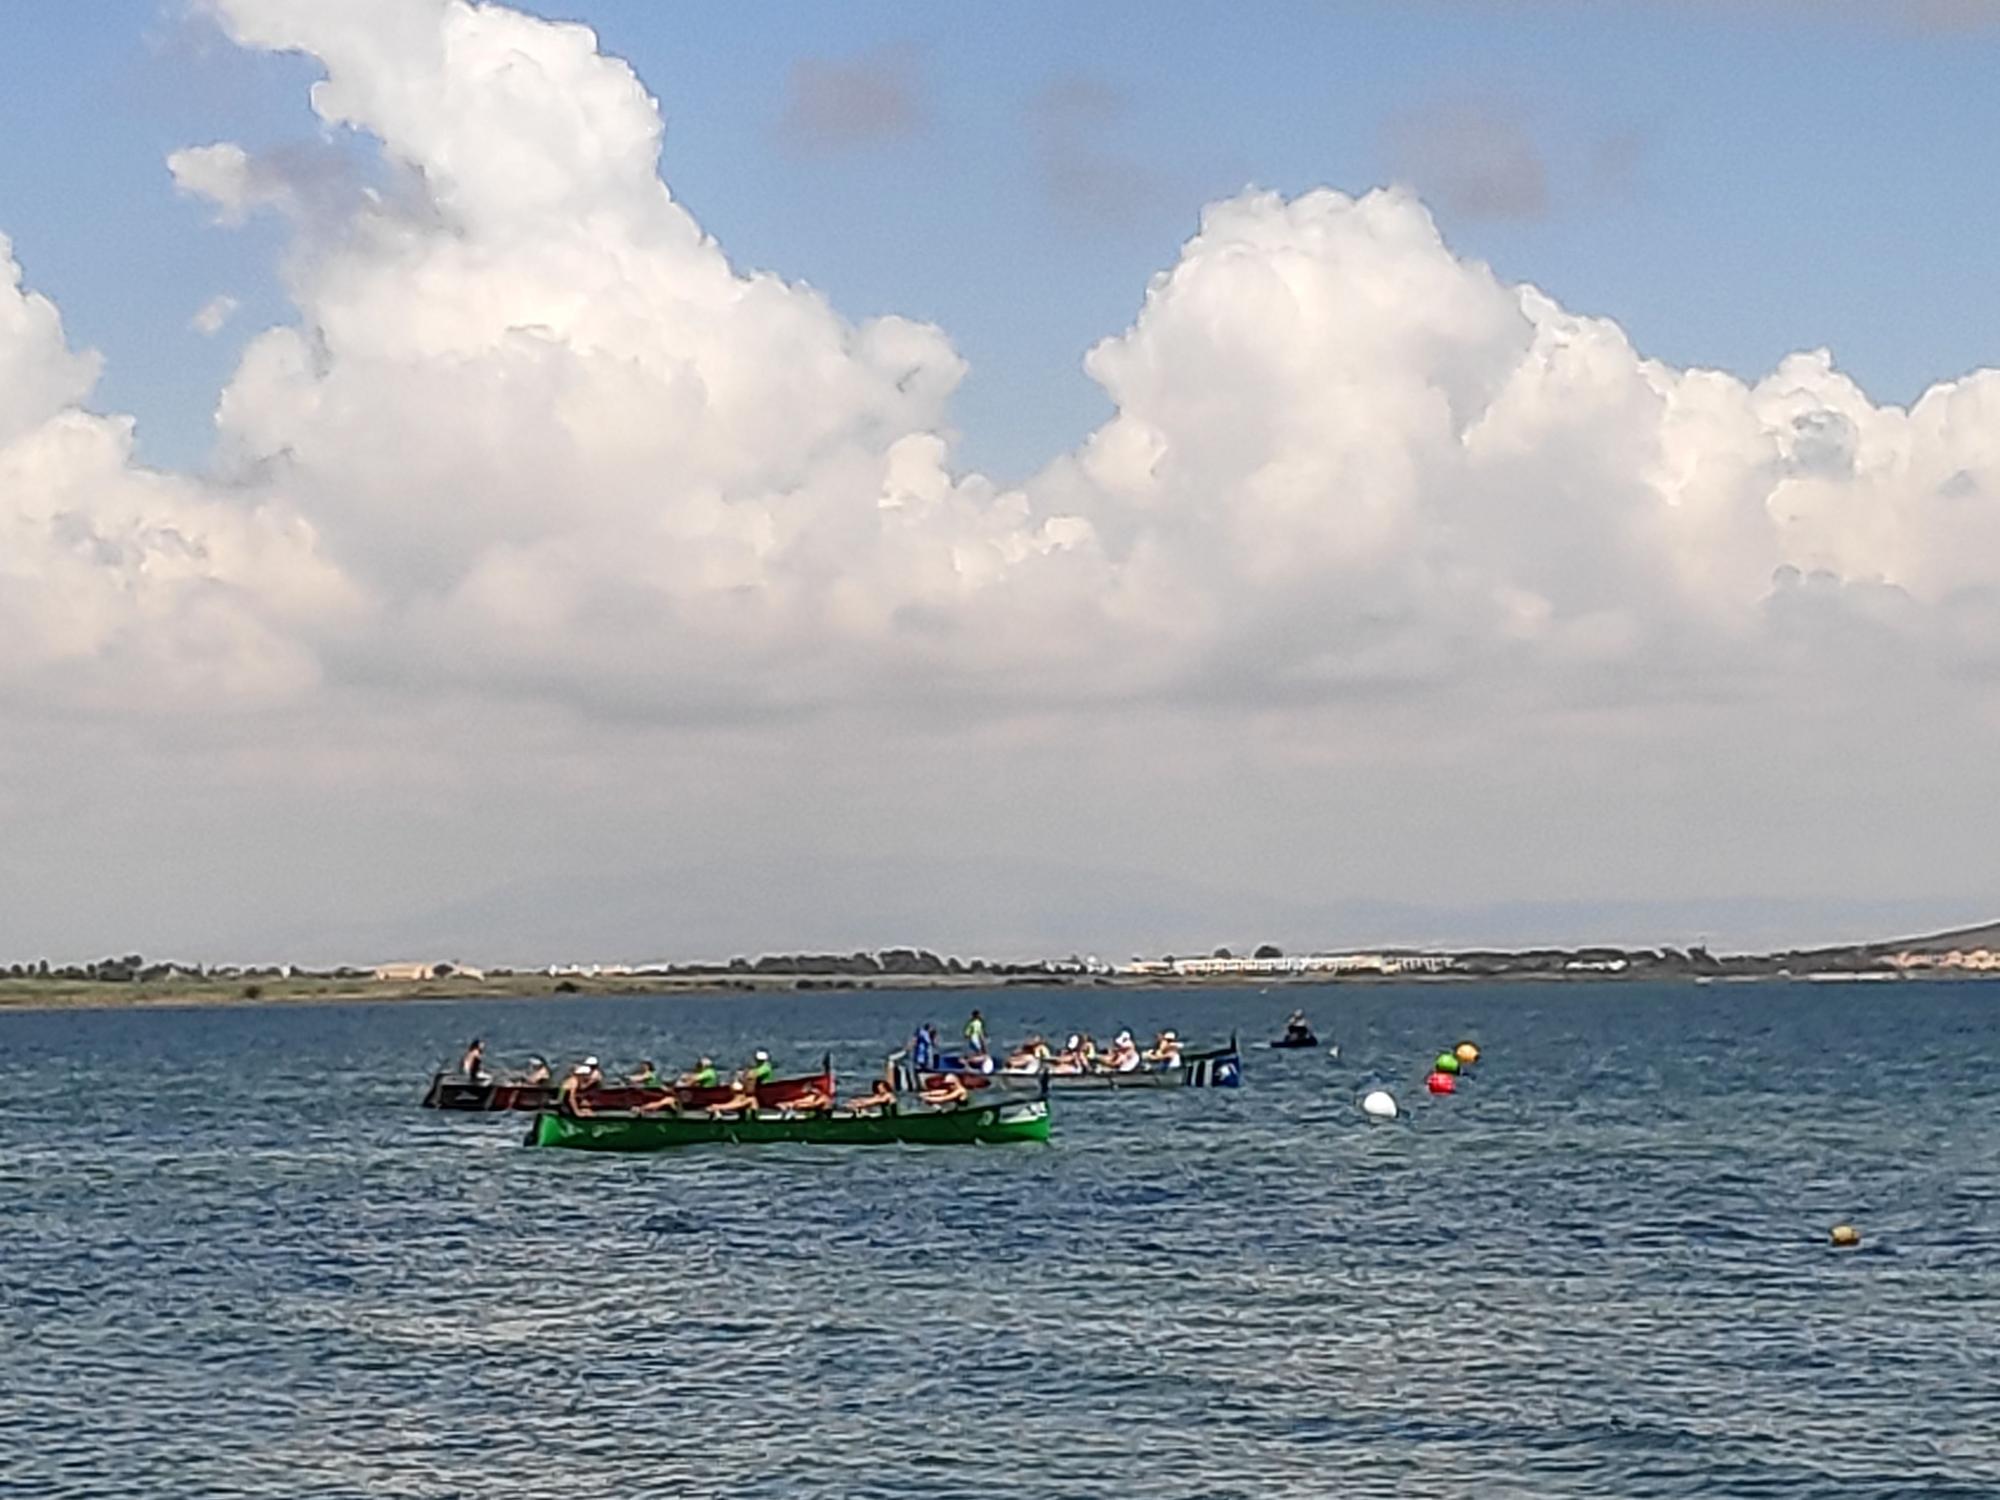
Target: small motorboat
x=1298, y=1033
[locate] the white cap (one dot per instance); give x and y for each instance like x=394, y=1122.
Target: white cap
x=1171, y=1036
x=1124, y=1038
x=1075, y=1040
x=590, y=1062
x=762, y=1055
x=580, y=1069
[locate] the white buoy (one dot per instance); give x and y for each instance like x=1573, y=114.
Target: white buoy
x=1379, y=1104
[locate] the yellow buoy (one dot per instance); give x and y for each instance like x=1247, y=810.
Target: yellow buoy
x=1846, y=1235
x=1466, y=1053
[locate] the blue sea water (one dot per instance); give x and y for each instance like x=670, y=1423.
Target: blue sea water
x=237, y=1259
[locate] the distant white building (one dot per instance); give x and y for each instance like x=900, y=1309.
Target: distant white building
x=1298, y=964
x=410, y=972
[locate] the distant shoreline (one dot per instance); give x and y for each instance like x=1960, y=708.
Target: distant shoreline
x=34, y=995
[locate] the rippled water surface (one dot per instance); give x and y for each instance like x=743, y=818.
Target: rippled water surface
x=239, y=1261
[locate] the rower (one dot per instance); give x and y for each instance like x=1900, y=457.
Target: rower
x=759, y=1072
x=703, y=1076
x=593, y=1075
x=472, y=1064
x=1297, y=1027
x=569, y=1093
x=742, y=1100
x=808, y=1101
x=1165, y=1051
x=1124, y=1053
x=646, y=1076
x=948, y=1092
x=538, y=1071
x=881, y=1095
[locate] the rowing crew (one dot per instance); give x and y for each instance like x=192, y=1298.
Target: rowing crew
x=589, y=1074
x=809, y=1099
x=1082, y=1055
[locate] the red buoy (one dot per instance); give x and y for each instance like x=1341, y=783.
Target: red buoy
x=1440, y=1083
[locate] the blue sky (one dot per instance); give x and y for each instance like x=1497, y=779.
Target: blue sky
x=1729, y=182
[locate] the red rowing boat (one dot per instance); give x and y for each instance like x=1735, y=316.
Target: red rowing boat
x=493, y=1095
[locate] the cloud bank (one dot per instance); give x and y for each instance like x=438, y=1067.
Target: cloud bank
x=533, y=438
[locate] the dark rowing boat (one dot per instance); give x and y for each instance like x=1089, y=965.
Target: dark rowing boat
x=449, y=1091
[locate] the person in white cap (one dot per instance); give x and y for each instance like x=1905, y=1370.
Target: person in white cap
x=759, y=1072
x=1124, y=1053
x=1165, y=1051
x=570, y=1092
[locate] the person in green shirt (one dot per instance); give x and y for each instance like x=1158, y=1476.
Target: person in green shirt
x=759, y=1072
x=703, y=1076
x=975, y=1035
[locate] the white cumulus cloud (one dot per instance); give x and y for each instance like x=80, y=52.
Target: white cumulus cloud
x=122, y=587
x=214, y=315
x=535, y=411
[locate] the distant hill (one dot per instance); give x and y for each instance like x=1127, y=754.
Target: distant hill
x=1986, y=935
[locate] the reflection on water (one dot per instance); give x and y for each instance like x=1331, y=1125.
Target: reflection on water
x=239, y=1261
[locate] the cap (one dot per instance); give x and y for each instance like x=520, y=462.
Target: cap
x=762, y=1055
x=590, y=1062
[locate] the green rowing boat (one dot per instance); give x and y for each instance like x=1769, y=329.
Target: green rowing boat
x=986, y=1124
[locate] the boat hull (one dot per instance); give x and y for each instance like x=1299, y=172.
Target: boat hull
x=497, y=1095
x=992, y=1124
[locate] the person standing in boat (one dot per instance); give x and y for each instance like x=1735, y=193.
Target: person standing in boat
x=473, y=1064
x=975, y=1034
